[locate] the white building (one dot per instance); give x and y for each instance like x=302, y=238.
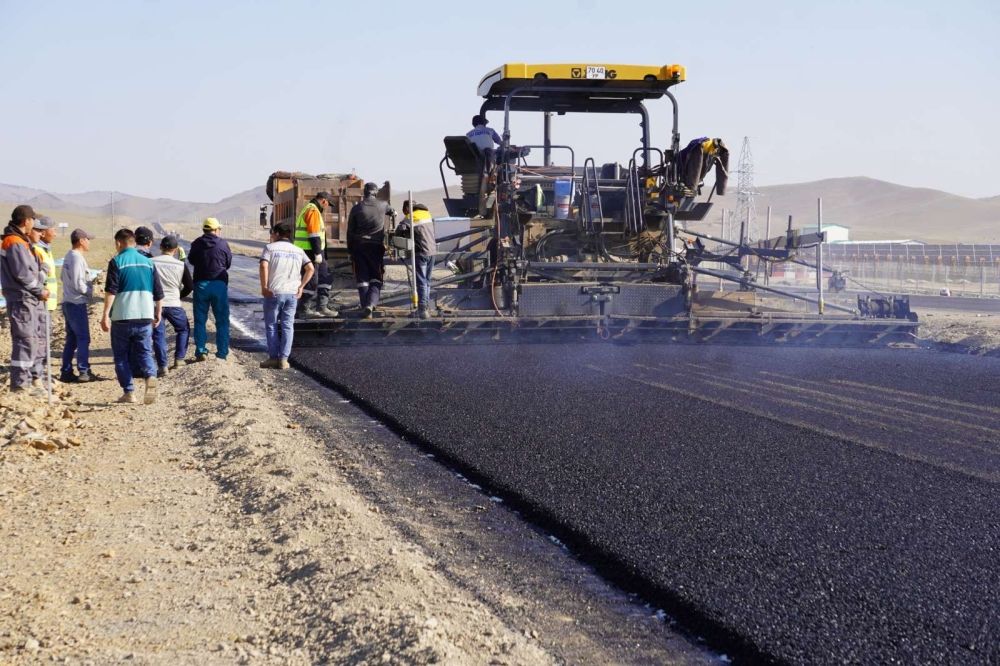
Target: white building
x=837, y=233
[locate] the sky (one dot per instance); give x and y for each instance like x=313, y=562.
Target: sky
x=200, y=100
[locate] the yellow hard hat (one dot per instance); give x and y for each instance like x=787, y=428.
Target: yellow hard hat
x=210, y=224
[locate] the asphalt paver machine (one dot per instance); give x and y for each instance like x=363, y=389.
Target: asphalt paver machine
x=610, y=250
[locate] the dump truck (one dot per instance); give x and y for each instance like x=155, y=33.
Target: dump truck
x=290, y=191
x=617, y=250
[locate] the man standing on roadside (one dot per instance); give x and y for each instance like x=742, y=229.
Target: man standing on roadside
x=78, y=290
x=310, y=236
x=175, y=278
x=41, y=235
x=144, y=241
x=211, y=258
x=23, y=284
x=285, y=270
x=132, y=301
x=366, y=243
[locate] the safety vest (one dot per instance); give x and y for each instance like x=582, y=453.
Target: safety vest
x=302, y=234
x=51, y=281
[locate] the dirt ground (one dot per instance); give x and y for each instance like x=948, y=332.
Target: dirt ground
x=225, y=524
x=964, y=332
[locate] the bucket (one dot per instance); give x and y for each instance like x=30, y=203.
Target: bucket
x=563, y=191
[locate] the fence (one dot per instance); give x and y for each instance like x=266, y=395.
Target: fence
x=970, y=270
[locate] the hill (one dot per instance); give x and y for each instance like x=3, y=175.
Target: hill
x=873, y=209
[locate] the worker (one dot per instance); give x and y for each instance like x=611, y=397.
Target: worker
x=310, y=236
x=366, y=243
x=144, y=241
x=23, y=284
x=175, y=278
x=211, y=259
x=78, y=289
x=285, y=270
x=41, y=235
x=485, y=139
x=182, y=255
x=425, y=249
x=133, y=298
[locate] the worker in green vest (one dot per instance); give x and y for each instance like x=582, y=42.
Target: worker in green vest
x=41, y=235
x=310, y=235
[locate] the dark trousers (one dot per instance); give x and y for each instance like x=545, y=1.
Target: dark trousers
x=24, y=316
x=317, y=290
x=132, y=346
x=77, y=338
x=368, y=270
x=179, y=321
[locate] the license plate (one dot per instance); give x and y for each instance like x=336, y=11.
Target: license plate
x=597, y=72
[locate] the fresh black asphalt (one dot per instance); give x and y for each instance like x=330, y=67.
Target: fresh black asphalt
x=799, y=505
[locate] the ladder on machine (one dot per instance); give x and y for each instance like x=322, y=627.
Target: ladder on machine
x=591, y=194
x=633, y=199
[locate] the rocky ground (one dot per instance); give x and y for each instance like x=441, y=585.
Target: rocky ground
x=972, y=333
x=224, y=525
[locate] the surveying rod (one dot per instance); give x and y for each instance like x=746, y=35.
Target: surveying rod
x=48, y=350
x=414, y=299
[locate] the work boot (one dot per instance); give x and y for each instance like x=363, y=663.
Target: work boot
x=283, y=364
x=37, y=383
x=369, y=312
x=128, y=397
x=271, y=363
x=309, y=311
x=323, y=305
x=73, y=379
x=199, y=358
x=423, y=313
x=176, y=364
x=162, y=372
x=149, y=397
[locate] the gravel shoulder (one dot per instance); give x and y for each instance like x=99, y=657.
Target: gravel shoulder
x=964, y=332
x=223, y=524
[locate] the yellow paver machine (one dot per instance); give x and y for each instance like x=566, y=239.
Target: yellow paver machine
x=564, y=245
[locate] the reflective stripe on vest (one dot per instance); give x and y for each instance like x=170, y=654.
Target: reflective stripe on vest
x=51, y=279
x=302, y=236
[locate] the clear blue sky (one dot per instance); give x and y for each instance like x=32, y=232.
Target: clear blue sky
x=199, y=100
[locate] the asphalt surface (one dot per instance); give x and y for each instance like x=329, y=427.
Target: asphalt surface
x=787, y=504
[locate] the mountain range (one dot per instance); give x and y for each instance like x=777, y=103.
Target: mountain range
x=872, y=209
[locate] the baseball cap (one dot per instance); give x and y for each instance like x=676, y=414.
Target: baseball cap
x=143, y=236
x=324, y=195
x=210, y=224
x=44, y=223
x=168, y=242
x=22, y=213
x=78, y=235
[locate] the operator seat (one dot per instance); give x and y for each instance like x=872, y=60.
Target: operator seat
x=469, y=166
